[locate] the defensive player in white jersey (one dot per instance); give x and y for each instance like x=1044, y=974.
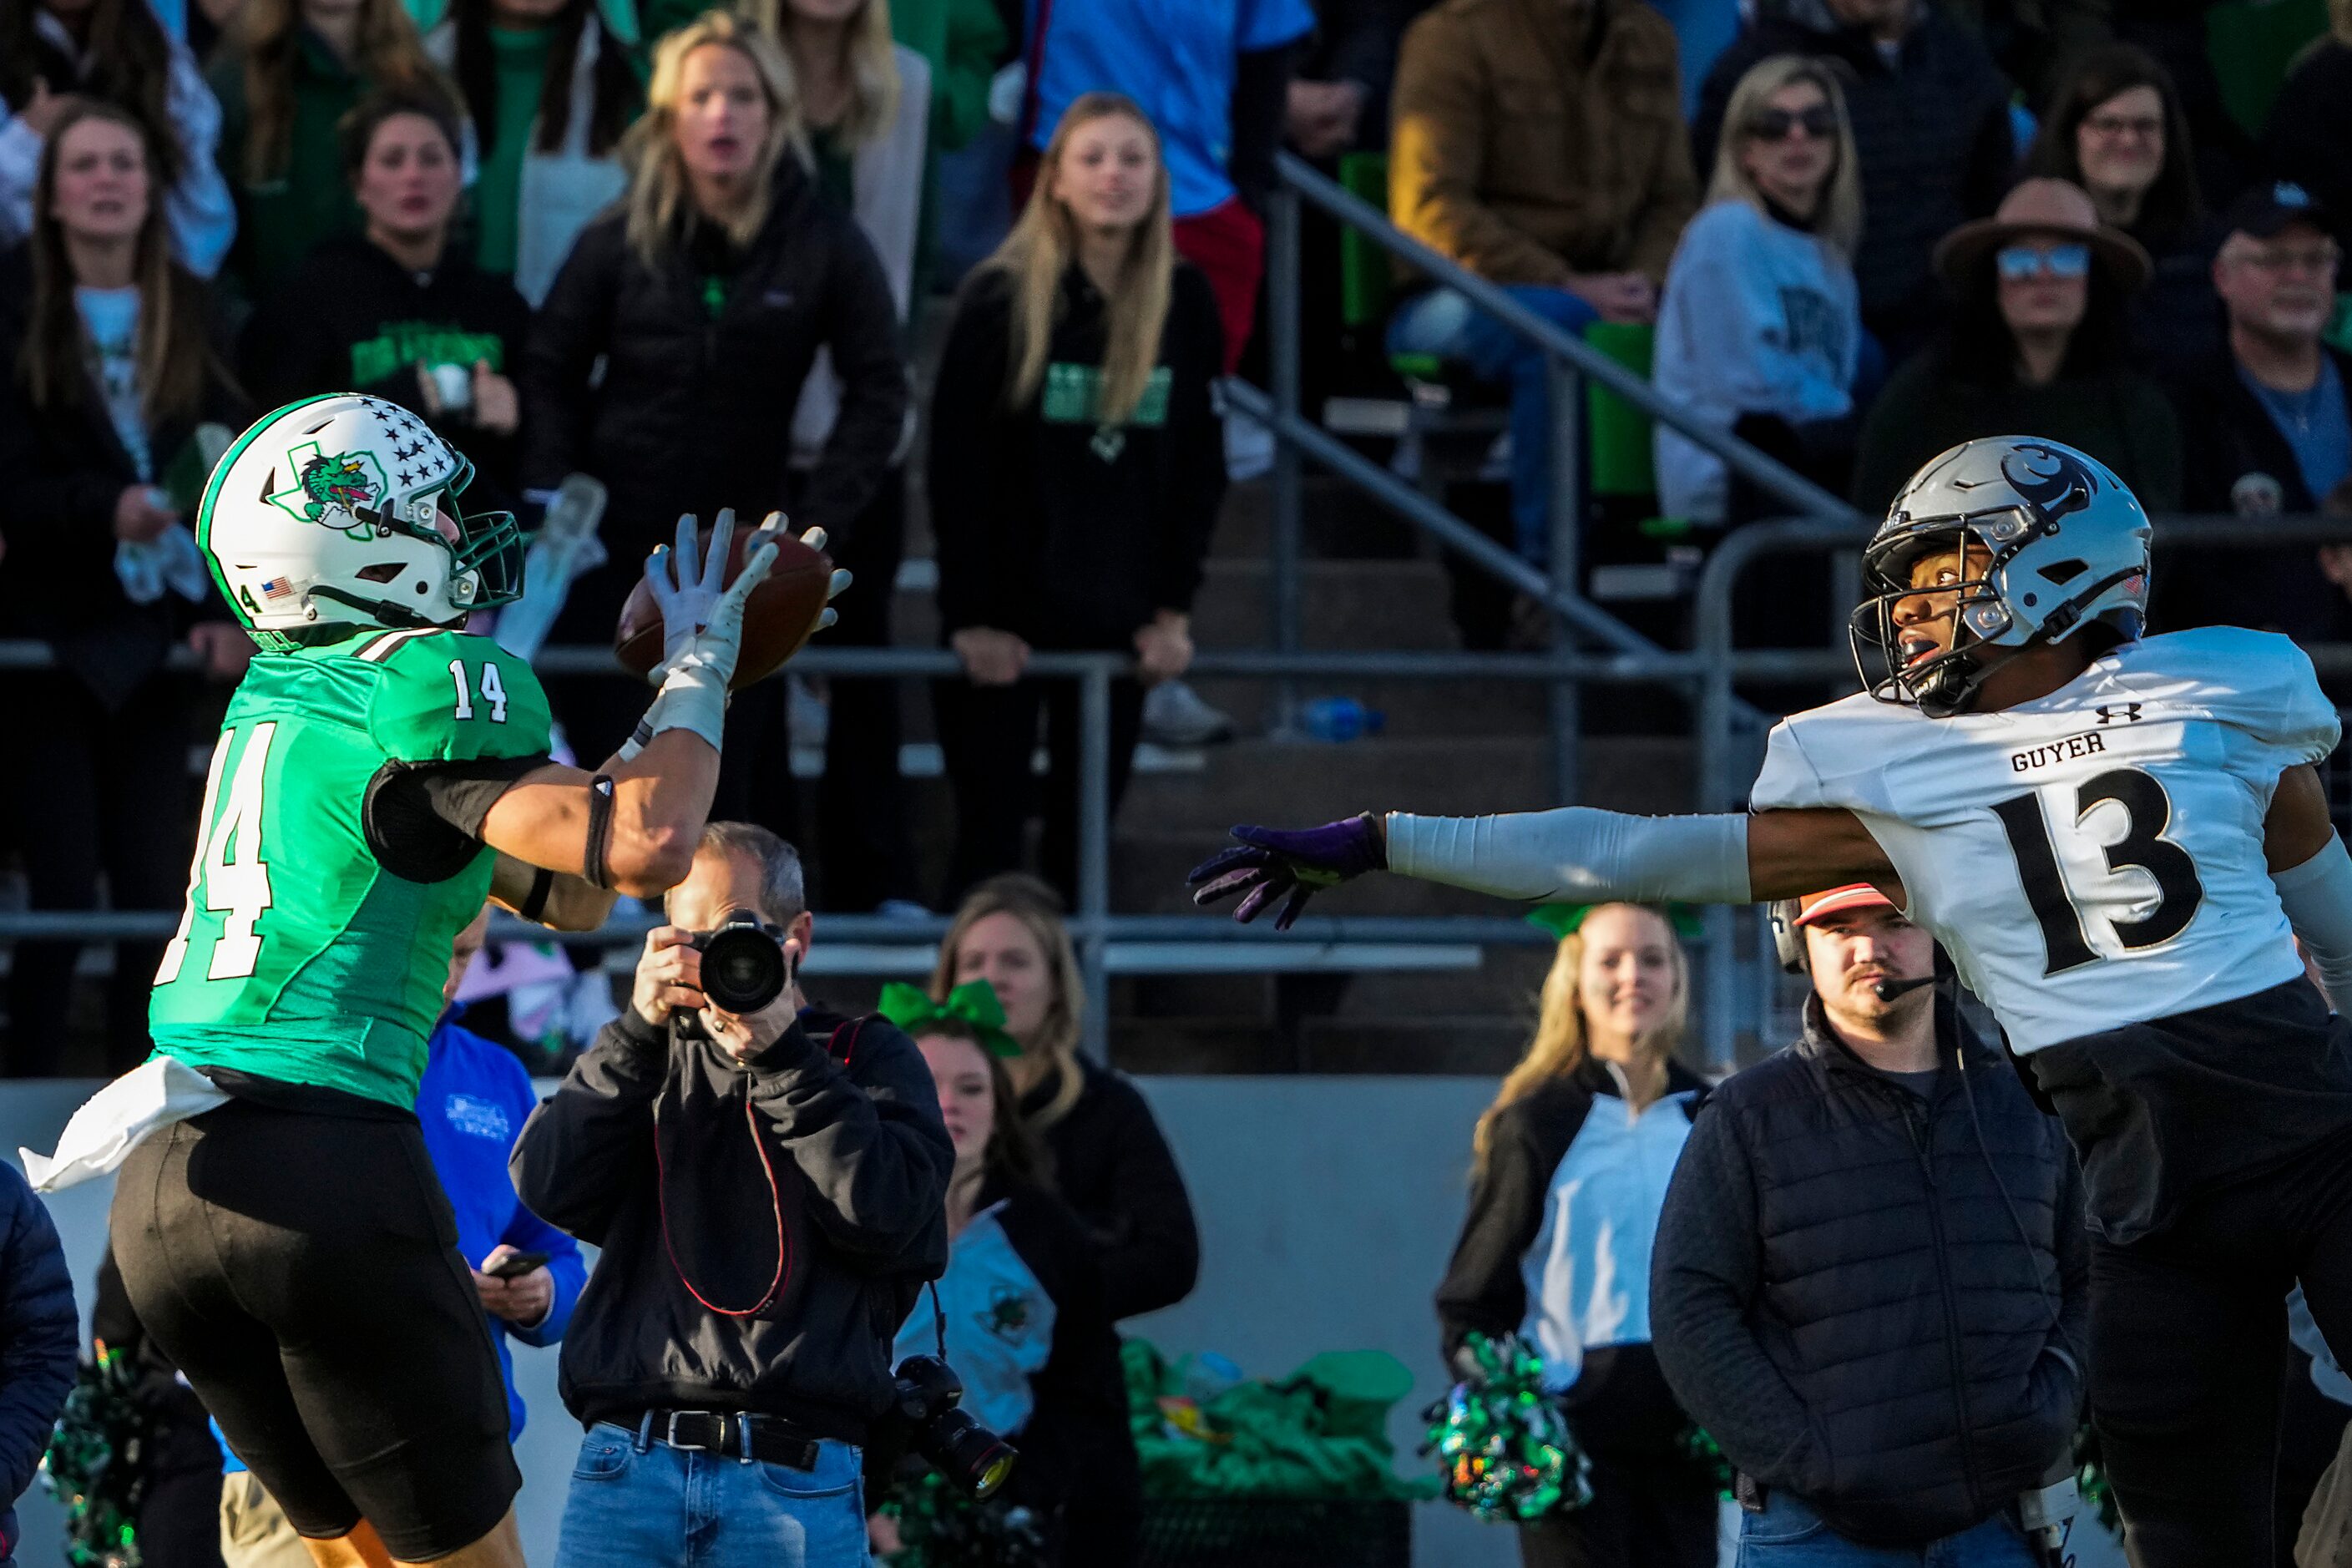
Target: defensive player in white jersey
x=2117, y=838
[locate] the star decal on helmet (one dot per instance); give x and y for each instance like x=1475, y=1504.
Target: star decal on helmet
x=324, y=486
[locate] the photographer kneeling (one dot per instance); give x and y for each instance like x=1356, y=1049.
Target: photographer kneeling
x=767, y=1187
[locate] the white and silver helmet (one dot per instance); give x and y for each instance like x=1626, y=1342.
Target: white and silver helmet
x=327, y=512
x=2063, y=546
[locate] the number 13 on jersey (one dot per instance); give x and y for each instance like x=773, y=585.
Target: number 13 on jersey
x=2147, y=812
x=230, y=875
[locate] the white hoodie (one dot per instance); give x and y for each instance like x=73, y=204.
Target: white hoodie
x=1757, y=318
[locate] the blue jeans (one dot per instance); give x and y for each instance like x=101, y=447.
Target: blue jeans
x=633, y=1507
x=1444, y=323
x=1789, y=1534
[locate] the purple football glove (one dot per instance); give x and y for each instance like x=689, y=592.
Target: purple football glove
x=1289, y=864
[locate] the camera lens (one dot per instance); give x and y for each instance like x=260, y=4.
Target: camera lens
x=967, y=1453
x=742, y=969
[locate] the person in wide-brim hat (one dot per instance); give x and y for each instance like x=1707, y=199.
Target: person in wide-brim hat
x=2041, y=209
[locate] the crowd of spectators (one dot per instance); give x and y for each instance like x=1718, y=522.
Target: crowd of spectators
x=691, y=256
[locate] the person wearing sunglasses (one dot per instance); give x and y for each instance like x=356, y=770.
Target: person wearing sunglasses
x=2037, y=342
x=1761, y=322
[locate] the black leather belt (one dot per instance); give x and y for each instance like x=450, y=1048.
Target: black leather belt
x=733, y=1434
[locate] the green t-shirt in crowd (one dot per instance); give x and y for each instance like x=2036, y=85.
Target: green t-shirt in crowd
x=279, y=219
x=520, y=59
x=300, y=956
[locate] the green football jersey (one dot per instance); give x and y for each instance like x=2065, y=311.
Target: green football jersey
x=299, y=957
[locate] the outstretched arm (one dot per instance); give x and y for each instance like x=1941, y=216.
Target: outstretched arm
x=1573, y=852
x=2314, y=876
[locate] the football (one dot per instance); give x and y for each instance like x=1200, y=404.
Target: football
x=779, y=617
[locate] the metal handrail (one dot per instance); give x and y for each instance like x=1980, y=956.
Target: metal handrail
x=1778, y=479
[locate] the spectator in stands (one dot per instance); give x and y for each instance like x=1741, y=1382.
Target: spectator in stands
x=472, y=1101
x=2308, y=139
x=866, y=101
x=110, y=372
x=2116, y=129
x=1760, y=324
x=1872, y=1280
x=1930, y=115
x=706, y=295
x=1568, y=1171
x=53, y=52
x=2037, y=343
x=1540, y=147
x=1213, y=81
x=1338, y=99
x=286, y=76
x=550, y=89
x=1075, y=478
x=394, y=310
x=1026, y=1329
x=2269, y=410
x=1109, y=1160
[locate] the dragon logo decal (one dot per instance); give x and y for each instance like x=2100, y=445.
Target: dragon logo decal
x=324, y=486
x=2051, y=480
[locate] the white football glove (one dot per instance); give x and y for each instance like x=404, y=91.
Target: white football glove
x=815, y=539
x=702, y=628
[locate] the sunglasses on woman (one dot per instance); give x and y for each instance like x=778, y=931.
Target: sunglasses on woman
x=1819, y=122
x=2019, y=263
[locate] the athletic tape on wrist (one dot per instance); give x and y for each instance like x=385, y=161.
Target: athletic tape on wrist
x=600, y=832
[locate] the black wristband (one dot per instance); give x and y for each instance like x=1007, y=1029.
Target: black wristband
x=534, y=903
x=600, y=833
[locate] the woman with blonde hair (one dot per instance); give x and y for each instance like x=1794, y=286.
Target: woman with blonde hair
x=285, y=75
x=1077, y=465
x=707, y=292
x=866, y=103
x=1111, y=1162
x=1761, y=321
x=1567, y=1178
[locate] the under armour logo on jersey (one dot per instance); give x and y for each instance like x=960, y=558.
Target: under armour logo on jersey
x=2122, y=713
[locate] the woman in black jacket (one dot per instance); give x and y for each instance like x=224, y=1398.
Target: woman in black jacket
x=707, y=293
x=1111, y=1163
x=1077, y=467
x=1026, y=1327
x=108, y=371
x=392, y=311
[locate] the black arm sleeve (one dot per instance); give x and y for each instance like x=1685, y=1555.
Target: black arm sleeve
x=423, y=821
x=1261, y=97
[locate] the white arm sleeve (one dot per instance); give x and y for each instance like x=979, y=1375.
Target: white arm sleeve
x=1578, y=853
x=2317, y=897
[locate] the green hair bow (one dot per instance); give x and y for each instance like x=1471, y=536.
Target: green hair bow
x=971, y=1009
x=1563, y=919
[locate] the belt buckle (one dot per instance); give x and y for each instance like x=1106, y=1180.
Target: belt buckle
x=670, y=1437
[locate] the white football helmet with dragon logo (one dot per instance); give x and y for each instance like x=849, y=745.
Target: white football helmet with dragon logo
x=343, y=509
x=2060, y=543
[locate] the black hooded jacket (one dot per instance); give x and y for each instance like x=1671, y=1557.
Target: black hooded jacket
x=1868, y=1298
x=662, y=1153
x=703, y=361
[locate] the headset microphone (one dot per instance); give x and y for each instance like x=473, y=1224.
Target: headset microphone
x=1888, y=990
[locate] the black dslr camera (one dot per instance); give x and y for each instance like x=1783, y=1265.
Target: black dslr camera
x=743, y=970
x=973, y=1459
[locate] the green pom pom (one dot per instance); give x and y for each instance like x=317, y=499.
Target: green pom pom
x=1503, y=1447
x=96, y=1463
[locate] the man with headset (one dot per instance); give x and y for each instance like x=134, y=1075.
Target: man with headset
x=1872, y=1273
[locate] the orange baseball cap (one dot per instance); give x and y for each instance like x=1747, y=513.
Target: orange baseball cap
x=1837, y=900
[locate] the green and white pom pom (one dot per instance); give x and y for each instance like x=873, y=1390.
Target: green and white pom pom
x=1502, y=1442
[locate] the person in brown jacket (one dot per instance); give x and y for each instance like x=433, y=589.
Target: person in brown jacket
x=1541, y=144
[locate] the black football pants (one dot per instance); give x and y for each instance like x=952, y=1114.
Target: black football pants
x=2188, y=1333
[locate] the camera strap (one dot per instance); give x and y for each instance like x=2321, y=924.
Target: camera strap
x=938, y=1317
x=775, y=1206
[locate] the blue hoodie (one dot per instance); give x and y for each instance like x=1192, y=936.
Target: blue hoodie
x=472, y=1102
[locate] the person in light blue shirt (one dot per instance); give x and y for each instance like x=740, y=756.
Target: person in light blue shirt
x=473, y=1100
x=1212, y=76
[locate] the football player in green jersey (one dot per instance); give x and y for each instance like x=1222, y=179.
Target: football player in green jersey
x=378, y=772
